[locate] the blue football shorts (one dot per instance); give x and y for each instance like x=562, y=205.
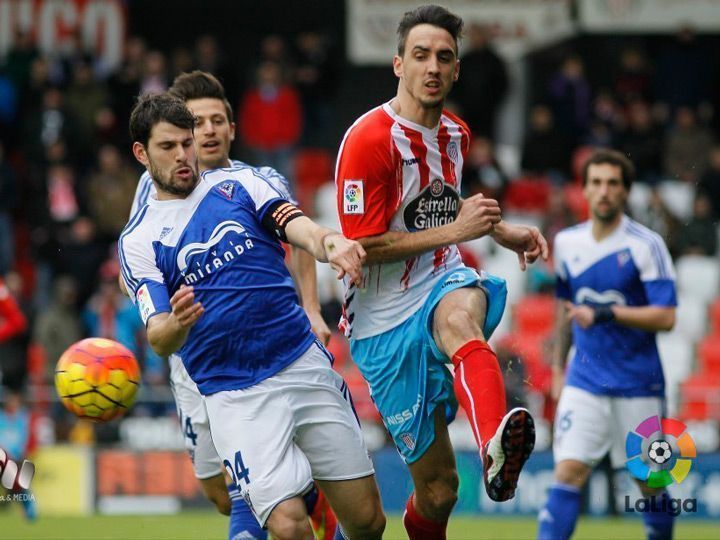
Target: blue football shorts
x=406, y=371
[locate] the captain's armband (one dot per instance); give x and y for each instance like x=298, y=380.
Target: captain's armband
x=278, y=215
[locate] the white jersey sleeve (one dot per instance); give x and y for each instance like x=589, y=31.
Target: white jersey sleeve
x=142, y=277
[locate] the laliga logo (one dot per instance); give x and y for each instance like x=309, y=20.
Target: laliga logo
x=352, y=192
x=660, y=451
x=11, y=478
x=199, y=247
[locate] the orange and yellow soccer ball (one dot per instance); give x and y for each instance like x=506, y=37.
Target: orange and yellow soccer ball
x=97, y=379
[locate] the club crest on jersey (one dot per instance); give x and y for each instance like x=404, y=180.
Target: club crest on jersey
x=353, y=197
x=452, y=151
x=409, y=440
x=623, y=257
x=227, y=188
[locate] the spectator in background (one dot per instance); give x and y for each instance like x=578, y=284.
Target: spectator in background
x=642, y=142
x=80, y=254
x=85, y=98
x=710, y=181
x=270, y=119
x=110, y=189
x=9, y=104
x=181, y=61
x=31, y=94
x=606, y=122
x=13, y=339
x=20, y=57
x=633, y=81
x=545, y=150
x=58, y=326
x=8, y=200
x=570, y=98
x=681, y=77
x=124, y=84
x=154, y=75
x=316, y=80
x=482, y=172
x=699, y=236
x=209, y=57
x=657, y=216
x=48, y=124
x=483, y=85
x=687, y=147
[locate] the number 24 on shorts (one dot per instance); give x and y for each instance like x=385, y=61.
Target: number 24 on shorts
x=239, y=471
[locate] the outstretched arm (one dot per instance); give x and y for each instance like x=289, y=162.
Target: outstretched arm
x=476, y=218
x=326, y=245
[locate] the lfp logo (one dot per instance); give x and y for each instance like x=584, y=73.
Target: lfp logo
x=660, y=451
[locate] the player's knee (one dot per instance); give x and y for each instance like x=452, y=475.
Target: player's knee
x=368, y=523
x=290, y=528
x=438, y=497
x=572, y=473
x=460, y=324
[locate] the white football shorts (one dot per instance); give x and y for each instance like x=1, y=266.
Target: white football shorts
x=277, y=436
x=193, y=421
x=588, y=425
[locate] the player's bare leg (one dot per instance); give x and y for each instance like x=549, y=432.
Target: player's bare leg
x=289, y=521
x=357, y=506
x=436, y=486
x=215, y=489
x=505, y=440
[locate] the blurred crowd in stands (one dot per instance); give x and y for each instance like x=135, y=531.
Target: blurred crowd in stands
x=67, y=177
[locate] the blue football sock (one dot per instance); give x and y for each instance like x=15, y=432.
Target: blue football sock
x=659, y=524
x=243, y=524
x=556, y=521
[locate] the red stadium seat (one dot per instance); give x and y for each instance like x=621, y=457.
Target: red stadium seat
x=527, y=195
x=313, y=168
x=700, y=395
x=534, y=314
x=709, y=355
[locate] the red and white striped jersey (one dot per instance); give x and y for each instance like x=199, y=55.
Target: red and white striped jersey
x=395, y=175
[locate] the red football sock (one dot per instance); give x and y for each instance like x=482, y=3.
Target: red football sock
x=479, y=388
x=420, y=528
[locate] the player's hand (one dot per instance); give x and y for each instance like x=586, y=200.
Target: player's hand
x=318, y=325
x=583, y=315
x=345, y=256
x=184, y=308
x=558, y=381
x=477, y=217
x=527, y=242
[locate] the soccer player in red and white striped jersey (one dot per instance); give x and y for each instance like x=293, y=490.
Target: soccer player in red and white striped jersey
x=398, y=179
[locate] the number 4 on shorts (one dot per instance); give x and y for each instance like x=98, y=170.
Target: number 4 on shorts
x=239, y=472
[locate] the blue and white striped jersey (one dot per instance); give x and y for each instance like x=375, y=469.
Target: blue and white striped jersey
x=631, y=267
x=214, y=240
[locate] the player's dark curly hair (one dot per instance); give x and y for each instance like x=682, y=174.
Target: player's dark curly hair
x=151, y=109
x=429, y=14
x=198, y=85
x=611, y=157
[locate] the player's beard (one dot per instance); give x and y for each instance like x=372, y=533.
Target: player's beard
x=165, y=181
x=609, y=215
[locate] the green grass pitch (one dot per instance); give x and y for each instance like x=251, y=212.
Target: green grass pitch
x=208, y=525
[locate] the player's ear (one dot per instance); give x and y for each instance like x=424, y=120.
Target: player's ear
x=232, y=131
x=457, y=70
x=140, y=153
x=397, y=66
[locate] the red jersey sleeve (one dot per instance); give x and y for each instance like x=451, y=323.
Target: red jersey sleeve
x=366, y=178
